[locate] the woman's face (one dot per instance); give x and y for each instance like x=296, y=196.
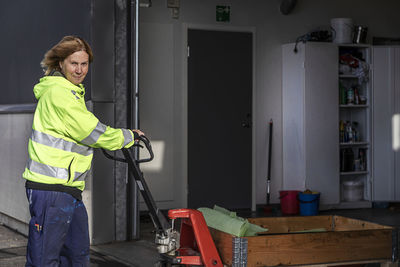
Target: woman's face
x=75, y=67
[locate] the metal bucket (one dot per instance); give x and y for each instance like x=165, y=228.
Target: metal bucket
x=343, y=30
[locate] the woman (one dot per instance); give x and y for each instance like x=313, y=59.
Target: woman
x=60, y=149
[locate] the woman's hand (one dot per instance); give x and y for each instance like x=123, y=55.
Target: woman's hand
x=137, y=133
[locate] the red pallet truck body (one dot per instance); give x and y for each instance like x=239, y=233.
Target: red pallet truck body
x=193, y=245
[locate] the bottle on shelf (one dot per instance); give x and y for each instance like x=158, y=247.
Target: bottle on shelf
x=350, y=96
x=356, y=96
x=349, y=132
x=346, y=160
x=362, y=158
x=343, y=94
x=341, y=132
x=356, y=136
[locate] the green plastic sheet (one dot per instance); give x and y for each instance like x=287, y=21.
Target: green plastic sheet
x=227, y=221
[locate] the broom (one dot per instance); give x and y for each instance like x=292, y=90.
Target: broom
x=267, y=208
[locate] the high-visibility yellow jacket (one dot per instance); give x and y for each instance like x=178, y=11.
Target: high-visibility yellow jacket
x=64, y=134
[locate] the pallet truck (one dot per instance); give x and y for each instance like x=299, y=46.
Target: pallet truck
x=193, y=244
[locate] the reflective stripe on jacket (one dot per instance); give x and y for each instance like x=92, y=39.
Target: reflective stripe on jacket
x=64, y=134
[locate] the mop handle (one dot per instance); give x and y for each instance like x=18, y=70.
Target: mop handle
x=269, y=162
x=270, y=149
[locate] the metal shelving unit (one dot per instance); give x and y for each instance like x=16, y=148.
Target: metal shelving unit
x=354, y=144
x=355, y=82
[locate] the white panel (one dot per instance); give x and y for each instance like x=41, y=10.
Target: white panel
x=396, y=80
x=383, y=171
x=310, y=119
x=293, y=118
x=321, y=121
x=15, y=131
x=156, y=86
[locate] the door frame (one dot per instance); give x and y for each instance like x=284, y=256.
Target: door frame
x=186, y=28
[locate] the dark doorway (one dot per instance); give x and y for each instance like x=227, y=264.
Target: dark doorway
x=219, y=119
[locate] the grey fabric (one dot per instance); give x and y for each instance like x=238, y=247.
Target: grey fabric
x=55, y=172
x=128, y=137
x=95, y=134
x=59, y=143
x=79, y=176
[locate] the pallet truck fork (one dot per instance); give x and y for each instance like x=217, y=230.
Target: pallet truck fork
x=193, y=245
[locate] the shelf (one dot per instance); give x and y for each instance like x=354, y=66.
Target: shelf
x=353, y=106
x=353, y=173
x=355, y=204
x=355, y=144
x=355, y=45
x=347, y=205
x=348, y=76
x=360, y=112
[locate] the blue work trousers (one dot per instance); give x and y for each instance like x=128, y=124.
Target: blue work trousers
x=58, y=230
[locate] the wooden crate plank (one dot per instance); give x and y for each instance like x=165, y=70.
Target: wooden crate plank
x=293, y=224
x=347, y=240
x=381, y=262
x=317, y=248
x=389, y=264
x=348, y=224
x=223, y=242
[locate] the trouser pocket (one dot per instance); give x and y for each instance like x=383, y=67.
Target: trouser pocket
x=55, y=229
x=35, y=243
x=51, y=216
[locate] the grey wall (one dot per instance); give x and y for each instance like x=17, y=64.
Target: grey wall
x=272, y=29
x=102, y=194
x=28, y=29
x=157, y=110
x=14, y=133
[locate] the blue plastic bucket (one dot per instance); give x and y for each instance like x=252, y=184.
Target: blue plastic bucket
x=309, y=203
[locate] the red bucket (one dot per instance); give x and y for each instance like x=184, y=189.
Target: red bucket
x=289, y=202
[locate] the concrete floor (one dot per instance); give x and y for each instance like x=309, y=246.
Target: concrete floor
x=143, y=253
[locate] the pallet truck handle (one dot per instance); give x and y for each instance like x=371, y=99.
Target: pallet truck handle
x=147, y=144
x=160, y=222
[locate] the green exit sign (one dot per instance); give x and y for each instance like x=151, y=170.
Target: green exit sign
x=223, y=13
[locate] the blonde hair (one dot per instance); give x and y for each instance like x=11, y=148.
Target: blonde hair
x=66, y=47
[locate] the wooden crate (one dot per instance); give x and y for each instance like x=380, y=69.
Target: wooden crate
x=290, y=241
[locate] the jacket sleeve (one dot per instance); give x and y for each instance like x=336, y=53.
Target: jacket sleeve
x=82, y=126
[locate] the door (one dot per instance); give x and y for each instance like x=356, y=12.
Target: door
x=219, y=119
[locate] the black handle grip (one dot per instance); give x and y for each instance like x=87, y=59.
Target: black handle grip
x=147, y=144
x=109, y=156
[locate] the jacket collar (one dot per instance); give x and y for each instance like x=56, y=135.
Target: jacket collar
x=80, y=90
